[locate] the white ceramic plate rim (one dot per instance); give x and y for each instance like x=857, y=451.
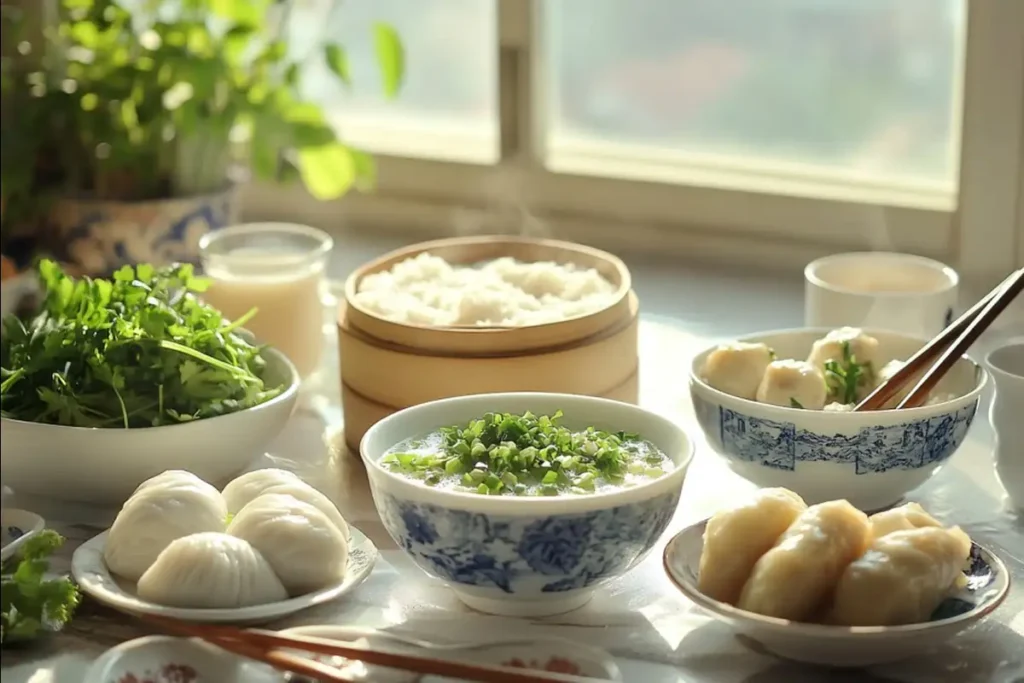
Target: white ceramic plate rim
x=29, y=522
x=350, y=633
x=736, y=615
x=93, y=577
x=981, y=375
x=290, y=391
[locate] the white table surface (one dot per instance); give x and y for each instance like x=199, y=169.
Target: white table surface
x=657, y=635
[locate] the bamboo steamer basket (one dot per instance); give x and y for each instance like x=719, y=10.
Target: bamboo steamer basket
x=493, y=340
x=402, y=376
x=361, y=413
x=387, y=366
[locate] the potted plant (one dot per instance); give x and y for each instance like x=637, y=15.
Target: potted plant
x=151, y=109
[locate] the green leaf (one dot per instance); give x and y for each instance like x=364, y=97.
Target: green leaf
x=390, y=57
x=304, y=112
x=291, y=75
x=366, y=170
x=337, y=62
x=312, y=134
x=274, y=52
x=248, y=12
x=327, y=171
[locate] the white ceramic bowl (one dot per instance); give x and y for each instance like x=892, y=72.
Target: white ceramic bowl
x=525, y=556
x=869, y=458
x=988, y=582
x=104, y=466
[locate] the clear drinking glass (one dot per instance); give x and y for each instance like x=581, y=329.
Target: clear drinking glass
x=277, y=268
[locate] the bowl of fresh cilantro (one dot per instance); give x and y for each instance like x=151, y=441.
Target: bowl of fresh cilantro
x=115, y=380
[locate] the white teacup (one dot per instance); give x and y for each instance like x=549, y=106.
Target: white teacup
x=898, y=292
x=1006, y=364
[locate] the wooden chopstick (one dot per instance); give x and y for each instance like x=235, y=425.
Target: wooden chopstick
x=262, y=645
x=919, y=394
x=917, y=363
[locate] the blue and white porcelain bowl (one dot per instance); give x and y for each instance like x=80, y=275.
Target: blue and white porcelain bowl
x=525, y=556
x=869, y=458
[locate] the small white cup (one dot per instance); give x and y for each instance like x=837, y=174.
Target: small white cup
x=1007, y=367
x=898, y=292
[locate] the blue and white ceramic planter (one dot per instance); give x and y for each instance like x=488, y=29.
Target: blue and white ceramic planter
x=525, y=556
x=869, y=458
x=100, y=236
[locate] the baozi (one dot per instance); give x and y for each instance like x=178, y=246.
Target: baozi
x=304, y=547
x=244, y=488
x=737, y=368
x=794, y=579
x=248, y=487
x=163, y=509
x=736, y=538
x=901, y=578
x=210, y=570
x=793, y=384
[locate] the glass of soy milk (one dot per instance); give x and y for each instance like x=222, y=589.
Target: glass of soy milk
x=277, y=268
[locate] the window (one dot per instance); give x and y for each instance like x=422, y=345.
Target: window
x=858, y=89
x=736, y=131
x=450, y=82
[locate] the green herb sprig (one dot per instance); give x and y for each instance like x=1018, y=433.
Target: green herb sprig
x=846, y=377
x=504, y=453
x=30, y=603
x=137, y=350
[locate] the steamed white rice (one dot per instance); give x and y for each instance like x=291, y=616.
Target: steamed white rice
x=427, y=290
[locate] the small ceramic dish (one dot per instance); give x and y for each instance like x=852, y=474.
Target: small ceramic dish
x=988, y=582
x=93, y=577
x=164, y=659
x=17, y=527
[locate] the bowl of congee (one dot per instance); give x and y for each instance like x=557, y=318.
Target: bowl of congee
x=779, y=408
x=525, y=503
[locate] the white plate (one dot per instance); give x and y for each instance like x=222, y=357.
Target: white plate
x=18, y=526
x=93, y=577
x=988, y=582
x=159, y=658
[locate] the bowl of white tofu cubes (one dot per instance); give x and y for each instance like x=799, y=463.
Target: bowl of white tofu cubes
x=778, y=406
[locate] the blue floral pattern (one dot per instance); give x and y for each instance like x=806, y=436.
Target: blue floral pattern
x=526, y=554
x=100, y=236
x=782, y=445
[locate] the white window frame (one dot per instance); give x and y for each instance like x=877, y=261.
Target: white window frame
x=704, y=209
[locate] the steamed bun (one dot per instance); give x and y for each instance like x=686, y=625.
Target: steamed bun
x=304, y=547
x=162, y=509
x=244, y=488
x=248, y=487
x=210, y=570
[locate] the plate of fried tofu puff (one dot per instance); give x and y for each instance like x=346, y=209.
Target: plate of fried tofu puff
x=828, y=584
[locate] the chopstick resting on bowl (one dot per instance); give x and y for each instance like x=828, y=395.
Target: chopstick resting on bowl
x=940, y=354
x=266, y=646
